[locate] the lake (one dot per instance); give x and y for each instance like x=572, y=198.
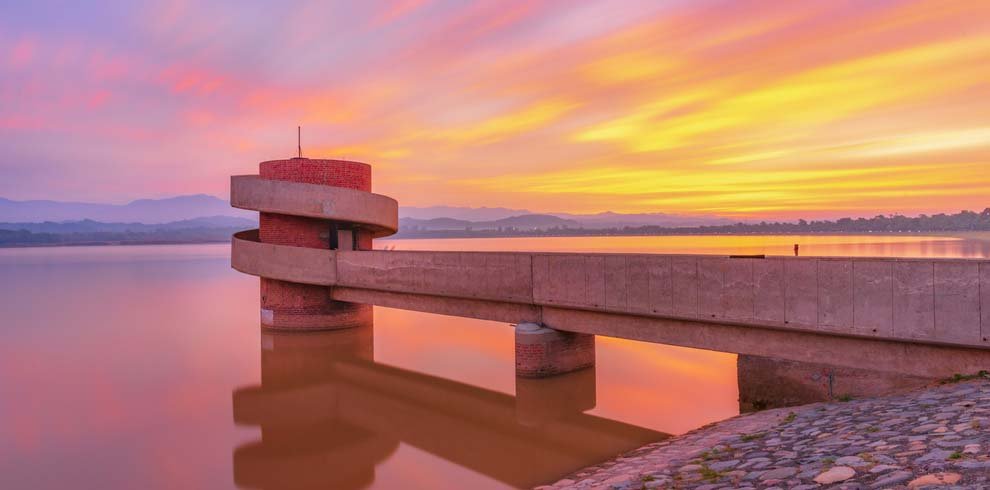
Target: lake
x=145, y=367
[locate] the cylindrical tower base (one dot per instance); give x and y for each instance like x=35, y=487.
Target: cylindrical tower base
x=291, y=306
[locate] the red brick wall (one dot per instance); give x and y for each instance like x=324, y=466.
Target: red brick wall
x=296, y=231
x=338, y=173
x=550, y=352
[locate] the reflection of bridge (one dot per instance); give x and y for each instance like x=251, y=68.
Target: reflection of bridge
x=329, y=414
x=313, y=253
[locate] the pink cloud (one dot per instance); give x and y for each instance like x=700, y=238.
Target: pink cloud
x=21, y=53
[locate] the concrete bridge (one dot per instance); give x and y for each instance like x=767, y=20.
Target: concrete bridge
x=330, y=413
x=926, y=317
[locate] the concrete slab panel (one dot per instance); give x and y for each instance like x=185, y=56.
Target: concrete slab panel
x=874, y=297
x=914, y=300
x=957, y=302
x=738, y=289
x=594, y=296
x=768, y=294
x=660, y=285
x=471, y=275
x=985, y=303
x=615, y=282
x=684, y=280
x=541, y=276
x=801, y=291
x=638, y=283
x=835, y=295
x=567, y=281
x=710, y=278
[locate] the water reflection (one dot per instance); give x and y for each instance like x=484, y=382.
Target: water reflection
x=772, y=383
x=329, y=414
x=961, y=245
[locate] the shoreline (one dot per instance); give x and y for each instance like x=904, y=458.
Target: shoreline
x=112, y=244
x=962, y=235
x=932, y=436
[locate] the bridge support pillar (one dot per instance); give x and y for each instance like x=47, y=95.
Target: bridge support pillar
x=542, y=351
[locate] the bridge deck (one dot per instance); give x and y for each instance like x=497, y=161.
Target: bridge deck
x=923, y=305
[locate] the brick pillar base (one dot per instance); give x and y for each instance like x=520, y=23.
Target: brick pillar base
x=291, y=306
x=542, y=352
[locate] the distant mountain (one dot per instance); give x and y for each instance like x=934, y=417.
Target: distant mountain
x=158, y=211
x=595, y=221
x=461, y=213
x=147, y=211
x=523, y=222
x=618, y=220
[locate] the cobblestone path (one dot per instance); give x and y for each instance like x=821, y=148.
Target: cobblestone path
x=934, y=438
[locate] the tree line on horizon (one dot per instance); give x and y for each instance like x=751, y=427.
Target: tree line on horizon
x=894, y=223
x=25, y=238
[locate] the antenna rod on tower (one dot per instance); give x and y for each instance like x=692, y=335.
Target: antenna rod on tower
x=299, y=139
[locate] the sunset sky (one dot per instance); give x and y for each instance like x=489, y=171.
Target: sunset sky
x=738, y=108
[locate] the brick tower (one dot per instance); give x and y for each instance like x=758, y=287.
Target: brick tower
x=286, y=305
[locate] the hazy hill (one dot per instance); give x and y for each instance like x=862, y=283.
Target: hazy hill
x=140, y=211
x=618, y=220
x=484, y=217
x=459, y=213
x=155, y=211
x=525, y=222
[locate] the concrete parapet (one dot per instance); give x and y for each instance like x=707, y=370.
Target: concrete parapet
x=542, y=351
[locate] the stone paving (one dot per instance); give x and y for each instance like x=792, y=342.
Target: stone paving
x=933, y=438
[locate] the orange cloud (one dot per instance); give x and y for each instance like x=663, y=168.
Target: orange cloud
x=744, y=108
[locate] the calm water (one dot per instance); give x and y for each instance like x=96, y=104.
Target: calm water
x=145, y=367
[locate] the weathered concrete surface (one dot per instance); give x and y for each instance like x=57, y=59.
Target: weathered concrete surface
x=293, y=264
x=862, y=353
x=890, y=314
x=543, y=352
x=442, y=305
x=480, y=275
x=375, y=212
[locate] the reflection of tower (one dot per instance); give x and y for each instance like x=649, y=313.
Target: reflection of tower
x=304, y=442
x=301, y=306
x=329, y=414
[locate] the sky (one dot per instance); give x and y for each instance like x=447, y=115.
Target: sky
x=738, y=108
